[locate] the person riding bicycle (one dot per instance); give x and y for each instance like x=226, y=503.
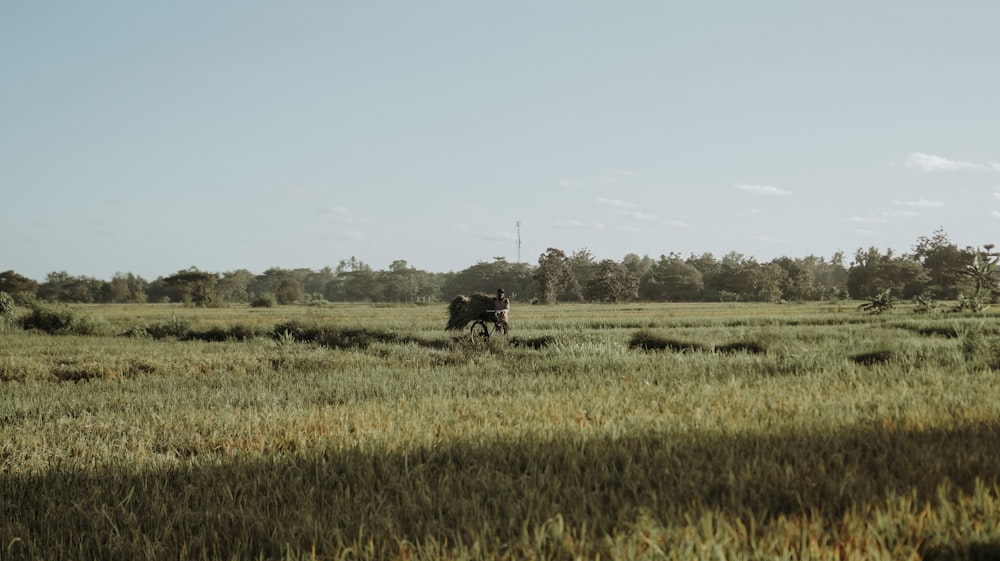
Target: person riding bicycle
x=501, y=305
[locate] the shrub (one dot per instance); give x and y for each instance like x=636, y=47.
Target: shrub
x=173, y=327
x=263, y=302
x=7, y=311
x=60, y=320
x=881, y=302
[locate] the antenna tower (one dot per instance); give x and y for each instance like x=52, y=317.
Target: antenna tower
x=518, y=241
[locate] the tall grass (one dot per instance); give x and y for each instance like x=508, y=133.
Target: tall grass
x=769, y=439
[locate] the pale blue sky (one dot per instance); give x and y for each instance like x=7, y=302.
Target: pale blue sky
x=148, y=137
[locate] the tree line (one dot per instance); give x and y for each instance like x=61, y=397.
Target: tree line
x=936, y=268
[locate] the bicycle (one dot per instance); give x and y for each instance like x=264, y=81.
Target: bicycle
x=486, y=325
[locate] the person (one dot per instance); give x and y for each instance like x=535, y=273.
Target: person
x=501, y=305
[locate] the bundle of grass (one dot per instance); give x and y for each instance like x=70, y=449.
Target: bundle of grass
x=465, y=309
x=647, y=341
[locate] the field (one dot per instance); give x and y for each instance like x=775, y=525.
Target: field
x=697, y=431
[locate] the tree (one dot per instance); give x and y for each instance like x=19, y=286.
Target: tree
x=13, y=284
x=124, y=287
x=288, y=291
x=873, y=272
x=638, y=266
x=735, y=277
x=983, y=274
x=314, y=283
x=234, y=286
x=829, y=278
x=553, y=274
x=671, y=279
x=768, y=281
x=944, y=263
x=798, y=280
x=611, y=281
x=584, y=267
x=195, y=287
x=355, y=282
x=62, y=287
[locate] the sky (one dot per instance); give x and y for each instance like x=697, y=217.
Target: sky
x=149, y=137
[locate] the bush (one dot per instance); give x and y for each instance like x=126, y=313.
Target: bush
x=175, y=327
x=62, y=321
x=7, y=311
x=880, y=303
x=263, y=302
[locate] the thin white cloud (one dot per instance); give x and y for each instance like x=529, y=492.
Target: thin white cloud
x=919, y=203
x=931, y=163
x=341, y=214
x=867, y=220
x=996, y=192
x=499, y=237
x=636, y=215
x=615, y=203
x=765, y=190
x=996, y=213
x=615, y=177
x=646, y=217
x=769, y=239
x=577, y=225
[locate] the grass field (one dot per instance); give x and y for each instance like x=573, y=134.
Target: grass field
x=694, y=431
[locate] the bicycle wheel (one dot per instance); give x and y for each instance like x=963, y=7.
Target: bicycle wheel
x=479, y=331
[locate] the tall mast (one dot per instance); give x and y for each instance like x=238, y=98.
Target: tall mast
x=518, y=241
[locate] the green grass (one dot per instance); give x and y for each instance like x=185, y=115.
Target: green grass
x=765, y=438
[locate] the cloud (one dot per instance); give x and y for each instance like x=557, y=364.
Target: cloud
x=577, y=225
x=352, y=235
x=615, y=203
x=765, y=190
x=636, y=215
x=920, y=203
x=570, y=183
x=498, y=237
x=340, y=214
x=868, y=220
x=931, y=163
x=996, y=213
x=769, y=239
x=645, y=217
x=615, y=177
x=996, y=192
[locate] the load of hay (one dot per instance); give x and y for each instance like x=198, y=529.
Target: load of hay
x=465, y=309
